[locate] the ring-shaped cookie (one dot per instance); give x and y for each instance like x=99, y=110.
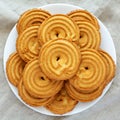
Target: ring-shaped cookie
x=59, y=59
x=83, y=15
x=81, y=96
x=58, y=26
x=62, y=103
x=89, y=35
x=32, y=101
x=14, y=68
x=36, y=82
x=32, y=17
x=91, y=73
x=27, y=44
x=110, y=66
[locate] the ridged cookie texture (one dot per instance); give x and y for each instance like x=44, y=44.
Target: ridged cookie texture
x=32, y=17
x=59, y=59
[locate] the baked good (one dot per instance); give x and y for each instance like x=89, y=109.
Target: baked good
x=83, y=15
x=110, y=65
x=73, y=87
x=59, y=59
x=58, y=26
x=27, y=44
x=37, y=83
x=32, y=17
x=89, y=35
x=62, y=103
x=91, y=73
x=30, y=100
x=14, y=68
x=81, y=95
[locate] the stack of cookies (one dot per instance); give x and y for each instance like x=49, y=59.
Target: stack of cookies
x=58, y=61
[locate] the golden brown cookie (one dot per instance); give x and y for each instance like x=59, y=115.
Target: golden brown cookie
x=59, y=59
x=32, y=17
x=89, y=35
x=27, y=44
x=58, y=26
x=83, y=15
x=81, y=96
x=14, y=68
x=37, y=83
x=30, y=100
x=91, y=73
x=110, y=66
x=62, y=104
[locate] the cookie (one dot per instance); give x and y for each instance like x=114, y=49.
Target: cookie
x=58, y=26
x=32, y=17
x=62, y=103
x=27, y=44
x=30, y=100
x=37, y=83
x=81, y=96
x=91, y=73
x=14, y=68
x=83, y=15
x=110, y=66
x=89, y=35
x=59, y=59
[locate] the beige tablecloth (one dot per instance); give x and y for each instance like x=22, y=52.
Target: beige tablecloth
x=108, y=108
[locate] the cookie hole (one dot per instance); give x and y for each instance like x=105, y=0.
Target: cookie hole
x=58, y=58
x=57, y=34
x=81, y=36
x=60, y=99
x=86, y=68
x=42, y=78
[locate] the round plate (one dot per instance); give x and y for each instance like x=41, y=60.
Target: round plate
x=106, y=44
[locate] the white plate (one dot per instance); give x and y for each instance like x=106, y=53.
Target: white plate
x=107, y=44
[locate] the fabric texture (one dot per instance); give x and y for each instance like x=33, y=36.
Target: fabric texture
x=108, y=108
